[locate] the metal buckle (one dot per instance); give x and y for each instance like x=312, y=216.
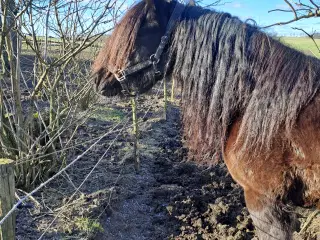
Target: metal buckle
x=157, y=73
x=164, y=39
x=121, y=75
x=153, y=59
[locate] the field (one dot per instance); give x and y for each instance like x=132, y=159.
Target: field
x=303, y=44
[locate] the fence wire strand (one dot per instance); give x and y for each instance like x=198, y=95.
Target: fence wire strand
x=95, y=166
x=60, y=172
x=54, y=176
x=85, y=179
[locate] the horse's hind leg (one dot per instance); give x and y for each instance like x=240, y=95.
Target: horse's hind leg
x=269, y=218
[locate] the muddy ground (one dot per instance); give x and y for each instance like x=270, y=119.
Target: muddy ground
x=168, y=198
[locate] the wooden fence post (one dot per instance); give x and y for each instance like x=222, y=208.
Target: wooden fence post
x=165, y=96
x=135, y=133
x=7, y=199
x=172, y=89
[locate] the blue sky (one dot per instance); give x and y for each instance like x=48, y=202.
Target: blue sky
x=258, y=10
x=244, y=9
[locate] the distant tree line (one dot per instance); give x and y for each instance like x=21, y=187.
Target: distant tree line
x=316, y=35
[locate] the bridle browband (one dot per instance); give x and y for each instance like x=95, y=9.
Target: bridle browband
x=121, y=75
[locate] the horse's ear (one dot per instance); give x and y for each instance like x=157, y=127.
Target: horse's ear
x=191, y=3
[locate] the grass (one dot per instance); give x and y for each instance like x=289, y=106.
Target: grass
x=55, y=48
x=88, y=225
x=303, y=44
x=108, y=114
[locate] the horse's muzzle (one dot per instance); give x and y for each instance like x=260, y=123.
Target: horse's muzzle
x=108, y=87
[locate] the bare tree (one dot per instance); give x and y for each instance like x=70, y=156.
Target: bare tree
x=300, y=10
x=47, y=46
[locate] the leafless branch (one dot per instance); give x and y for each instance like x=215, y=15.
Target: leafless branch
x=310, y=36
x=284, y=10
x=214, y=3
x=292, y=8
x=317, y=7
x=300, y=11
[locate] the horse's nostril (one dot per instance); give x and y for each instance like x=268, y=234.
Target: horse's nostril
x=106, y=89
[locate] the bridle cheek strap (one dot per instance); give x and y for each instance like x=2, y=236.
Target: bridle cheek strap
x=154, y=59
x=121, y=76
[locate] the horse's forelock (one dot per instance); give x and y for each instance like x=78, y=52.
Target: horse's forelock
x=119, y=44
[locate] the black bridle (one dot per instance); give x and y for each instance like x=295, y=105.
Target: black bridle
x=121, y=75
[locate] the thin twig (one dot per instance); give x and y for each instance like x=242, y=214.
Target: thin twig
x=292, y=8
x=284, y=10
x=310, y=36
x=310, y=15
x=85, y=179
x=50, y=179
x=317, y=7
x=309, y=220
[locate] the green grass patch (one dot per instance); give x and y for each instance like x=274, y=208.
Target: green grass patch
x=303, y=44
x=88, y=225
x=108, y=114
x=55, y=48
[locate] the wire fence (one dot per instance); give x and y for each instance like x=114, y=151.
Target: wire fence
x=47, y=72
x=42, y=185
x=96, y=165
x=85, y=179
x=124, y=125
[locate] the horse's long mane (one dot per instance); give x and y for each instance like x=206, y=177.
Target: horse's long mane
x=230, y=70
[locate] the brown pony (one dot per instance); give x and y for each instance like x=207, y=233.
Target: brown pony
x=245, y=96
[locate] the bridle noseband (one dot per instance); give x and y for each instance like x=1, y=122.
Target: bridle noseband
x=154, y=59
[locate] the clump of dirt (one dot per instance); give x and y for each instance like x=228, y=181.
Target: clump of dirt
x=205, y=202
x=211, y=208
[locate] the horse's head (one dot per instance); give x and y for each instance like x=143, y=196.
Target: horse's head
x=127, y=60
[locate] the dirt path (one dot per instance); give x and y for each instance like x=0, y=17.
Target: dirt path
x=137, y=217
x=171, y=198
